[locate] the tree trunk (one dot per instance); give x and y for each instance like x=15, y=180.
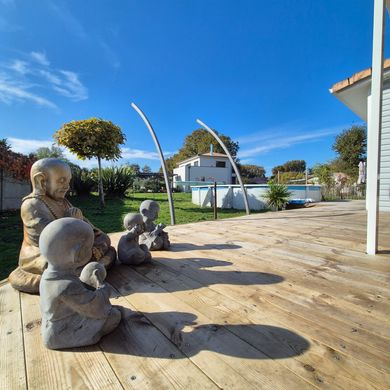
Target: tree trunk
x=100, y=185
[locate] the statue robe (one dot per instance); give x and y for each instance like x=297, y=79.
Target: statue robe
x=37, y=212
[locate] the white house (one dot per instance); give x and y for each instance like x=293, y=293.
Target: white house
x=355, y=93
x=206, y=167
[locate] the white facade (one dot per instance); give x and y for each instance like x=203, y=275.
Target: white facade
x=208, y=167
x=356, y=94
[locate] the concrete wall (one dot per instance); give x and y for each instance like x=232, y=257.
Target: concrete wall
x=231, y=196
x=12, y=191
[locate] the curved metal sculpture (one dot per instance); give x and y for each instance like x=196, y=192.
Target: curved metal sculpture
x=243, y=189
x=162, y=160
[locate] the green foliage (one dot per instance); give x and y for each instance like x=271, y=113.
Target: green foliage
x=249, y=172
x=4, y=144
x=291, y=177
x=324, y=174
x=198, y=142
x=351, y=147
x=92, y=137
x=290, y=166
x=117, y=180
x=146, y=169
x=83, y=182
x=277, y=195
x=45, y=152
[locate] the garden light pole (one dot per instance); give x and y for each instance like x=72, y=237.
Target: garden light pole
x=162, y=160
x=231, y=162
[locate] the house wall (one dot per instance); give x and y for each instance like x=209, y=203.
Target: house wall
x=384, y=183
x=205, y=171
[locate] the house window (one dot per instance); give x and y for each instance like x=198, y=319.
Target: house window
x=196, y=163
x=220, y=164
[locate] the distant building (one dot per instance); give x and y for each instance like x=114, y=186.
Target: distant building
x=206, y=167
x=355, y=93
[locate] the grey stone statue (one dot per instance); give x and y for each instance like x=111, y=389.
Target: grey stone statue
x=50, y=179
x=73, y=314
x=154, y=236
x=129, y=250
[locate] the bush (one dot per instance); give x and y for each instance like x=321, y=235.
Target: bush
x=82, y=182
x=277, y=196
x=116, y=180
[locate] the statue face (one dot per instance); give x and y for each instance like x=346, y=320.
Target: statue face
x=57, y=184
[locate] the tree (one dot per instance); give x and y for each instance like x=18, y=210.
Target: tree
x=90, y=138
x=198, y=142
x=351, y=147
x=324, y=174
x=135, y=168
x=249, y=172
x=45, y=152
x=290, y=166
x=146, y=169
x=4, y=144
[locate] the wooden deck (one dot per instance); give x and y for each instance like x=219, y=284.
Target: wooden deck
x=275, y=300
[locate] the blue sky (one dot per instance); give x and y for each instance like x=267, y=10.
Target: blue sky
x=257, y=71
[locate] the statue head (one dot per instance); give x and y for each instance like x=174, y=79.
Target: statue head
x=66, y=243
x=149, y=209
x=51, y=177
x=132, y=219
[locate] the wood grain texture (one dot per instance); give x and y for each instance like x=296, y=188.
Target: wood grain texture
x=284, y=300
x=12, y=368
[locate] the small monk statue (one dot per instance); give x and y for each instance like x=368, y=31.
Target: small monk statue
x=50, y=179
x=154, y=236
x=129, y=250
x=72, y=314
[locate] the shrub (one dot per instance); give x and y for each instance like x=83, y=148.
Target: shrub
x=116, y=180
x=82, y=182
x=277, y=196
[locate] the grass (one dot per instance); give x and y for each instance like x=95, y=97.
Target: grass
x=109, y=220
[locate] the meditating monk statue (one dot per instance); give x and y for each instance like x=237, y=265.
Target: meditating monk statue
x=50, y=179
x=75, y=312
x=154, y=236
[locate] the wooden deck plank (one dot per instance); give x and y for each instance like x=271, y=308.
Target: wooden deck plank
x=77, y=368
x=12, y=367
x=318, y=364
x=203, y=338
x=256, y=296
x=143, y=358
x=272, y=300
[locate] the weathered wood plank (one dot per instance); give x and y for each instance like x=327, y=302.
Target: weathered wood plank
x=336, y=335
x=143, y=358
x=318, y=364
x=225, y=358
x=12, y=368
x=77, y=368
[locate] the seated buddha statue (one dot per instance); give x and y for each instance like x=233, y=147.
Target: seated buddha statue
x=50, y=178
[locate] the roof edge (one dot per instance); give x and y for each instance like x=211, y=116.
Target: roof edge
x=359, y=76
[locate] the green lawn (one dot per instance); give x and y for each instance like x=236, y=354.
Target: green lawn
x=109, y=220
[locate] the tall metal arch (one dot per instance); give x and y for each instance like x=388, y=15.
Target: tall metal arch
x=243, y=189
x=162, y=160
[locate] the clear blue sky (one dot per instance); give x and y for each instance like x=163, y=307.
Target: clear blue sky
x=258, y=71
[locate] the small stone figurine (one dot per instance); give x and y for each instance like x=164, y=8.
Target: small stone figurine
x=72, y=314
x=154, y=236
x=129, y=250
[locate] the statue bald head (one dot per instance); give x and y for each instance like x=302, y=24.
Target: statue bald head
x=67, y=243
x=51, y=177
